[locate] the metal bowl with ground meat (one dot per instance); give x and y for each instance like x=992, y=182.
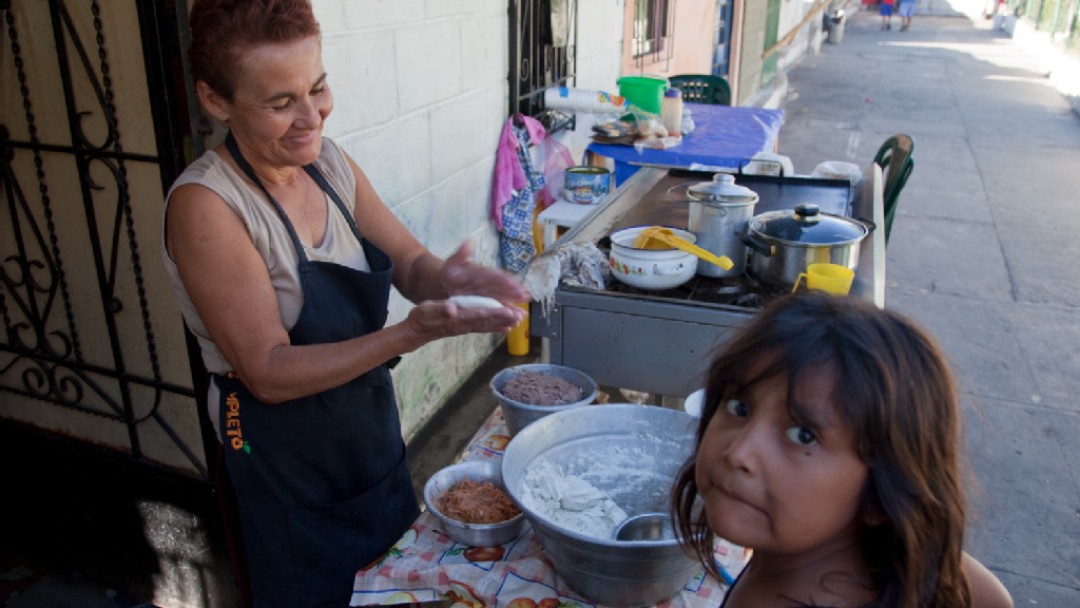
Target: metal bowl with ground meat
x=466, y=533
x=529, y=392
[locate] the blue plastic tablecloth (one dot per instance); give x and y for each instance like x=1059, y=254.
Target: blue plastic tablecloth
x=724, y=137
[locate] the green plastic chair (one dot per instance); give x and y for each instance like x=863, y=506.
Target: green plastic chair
x=703, y=88
x=896, y=162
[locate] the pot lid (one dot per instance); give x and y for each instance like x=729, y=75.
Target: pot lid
x=722, y=189
x=807, y=224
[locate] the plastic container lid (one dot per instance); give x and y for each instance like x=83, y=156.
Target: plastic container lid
x=807, y=224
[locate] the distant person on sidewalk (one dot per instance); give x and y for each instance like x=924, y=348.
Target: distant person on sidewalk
x=906, y=10
x=886, y=14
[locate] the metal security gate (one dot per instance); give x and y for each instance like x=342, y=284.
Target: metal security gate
x=543, y=53
x=92, y=345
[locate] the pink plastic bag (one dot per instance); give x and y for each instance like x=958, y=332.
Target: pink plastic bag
x=557, y=160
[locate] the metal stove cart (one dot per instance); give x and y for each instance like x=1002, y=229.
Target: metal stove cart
x=661, y=342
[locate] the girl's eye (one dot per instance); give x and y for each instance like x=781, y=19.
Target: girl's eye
x=801, y=435
x=318, y=91
x=282, y=107
x=735, y=407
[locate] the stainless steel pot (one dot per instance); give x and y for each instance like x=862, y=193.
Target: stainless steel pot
x=782, y=243
x=717, y=219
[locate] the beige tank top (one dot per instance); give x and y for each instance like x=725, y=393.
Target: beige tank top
x=270, y=237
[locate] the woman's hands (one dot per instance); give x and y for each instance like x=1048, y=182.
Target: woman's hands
x=460, y=276
x=433, y=320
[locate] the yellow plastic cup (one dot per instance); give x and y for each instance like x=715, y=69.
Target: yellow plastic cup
x=830, y=278
x=517, y=341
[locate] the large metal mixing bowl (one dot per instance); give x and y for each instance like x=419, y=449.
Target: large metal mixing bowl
x=632, y=453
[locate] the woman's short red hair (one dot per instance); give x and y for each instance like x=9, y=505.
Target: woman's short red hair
x=221, y=30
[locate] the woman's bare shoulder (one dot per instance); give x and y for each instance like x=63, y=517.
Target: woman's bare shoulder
x=986, y=589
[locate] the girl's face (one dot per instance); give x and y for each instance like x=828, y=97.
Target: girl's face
x=281, y=102
x=779, y=483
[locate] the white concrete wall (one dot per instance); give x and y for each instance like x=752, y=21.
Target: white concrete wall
x=791, y=13
x=420, y=98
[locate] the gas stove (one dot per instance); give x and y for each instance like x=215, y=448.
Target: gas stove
x=661, y=341
x=744, y=292
x=666, y=204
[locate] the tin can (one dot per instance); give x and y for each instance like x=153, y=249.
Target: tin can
x=587, y=185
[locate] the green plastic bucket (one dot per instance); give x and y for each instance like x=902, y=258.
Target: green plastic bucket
x=645, y=92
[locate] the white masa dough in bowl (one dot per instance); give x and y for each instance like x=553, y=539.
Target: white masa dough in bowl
x=570, y=501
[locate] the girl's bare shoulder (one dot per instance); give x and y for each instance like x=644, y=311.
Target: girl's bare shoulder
x=986, y=590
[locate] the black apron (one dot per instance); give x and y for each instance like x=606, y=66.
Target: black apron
x=321, y=481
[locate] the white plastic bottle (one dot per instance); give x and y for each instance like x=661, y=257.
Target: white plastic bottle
x=671, y=110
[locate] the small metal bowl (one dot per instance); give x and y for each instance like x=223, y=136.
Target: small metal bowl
x=473, y=535
x=647, y=526
x=519, y=415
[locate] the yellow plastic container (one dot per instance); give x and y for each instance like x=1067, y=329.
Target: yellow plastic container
x=645, y=92
x=830, y=278
x=517, y=341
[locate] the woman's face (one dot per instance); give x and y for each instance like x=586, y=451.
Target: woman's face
x=281, y=102
x=779, y=484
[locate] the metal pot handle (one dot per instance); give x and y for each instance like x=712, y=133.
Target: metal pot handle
x=756, y=244
x=870, y=225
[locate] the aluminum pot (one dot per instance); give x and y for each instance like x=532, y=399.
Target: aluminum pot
x=783, y=243
x=656, y=269
x=631, y=453
x=719, y=215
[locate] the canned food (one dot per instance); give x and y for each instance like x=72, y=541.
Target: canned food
x=587, y=185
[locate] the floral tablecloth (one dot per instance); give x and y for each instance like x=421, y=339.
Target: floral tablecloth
x=425, y=565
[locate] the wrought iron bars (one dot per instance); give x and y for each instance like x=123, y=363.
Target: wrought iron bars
x=41, y=356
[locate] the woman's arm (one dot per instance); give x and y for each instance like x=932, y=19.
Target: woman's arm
x=228, y=283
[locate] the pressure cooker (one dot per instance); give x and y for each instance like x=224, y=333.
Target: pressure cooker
x=782, y=243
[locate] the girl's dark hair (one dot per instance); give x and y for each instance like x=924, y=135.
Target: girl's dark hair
x=221, y=30
x=894, y=387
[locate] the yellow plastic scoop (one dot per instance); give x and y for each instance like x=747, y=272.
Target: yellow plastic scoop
x=658, y=237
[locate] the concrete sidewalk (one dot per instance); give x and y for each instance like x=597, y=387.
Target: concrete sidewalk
x=984, y=251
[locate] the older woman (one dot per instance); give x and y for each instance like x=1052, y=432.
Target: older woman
x=282, y=256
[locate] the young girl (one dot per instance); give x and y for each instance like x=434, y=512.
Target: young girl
x=830, y=445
